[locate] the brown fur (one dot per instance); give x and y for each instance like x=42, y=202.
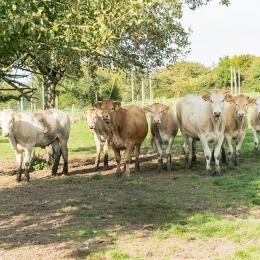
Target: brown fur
x=129, y=127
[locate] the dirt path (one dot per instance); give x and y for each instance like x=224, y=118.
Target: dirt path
x=91, y=214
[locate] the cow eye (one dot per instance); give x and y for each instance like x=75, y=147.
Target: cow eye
x=112, y=109
x=222, y=100
x=211, y=101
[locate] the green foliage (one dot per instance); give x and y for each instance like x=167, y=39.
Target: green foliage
x=182, y=78
x=37, y=164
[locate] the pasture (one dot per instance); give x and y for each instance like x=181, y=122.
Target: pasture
x=94, y=215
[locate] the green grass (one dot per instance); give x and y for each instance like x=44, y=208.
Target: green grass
x=108, y=214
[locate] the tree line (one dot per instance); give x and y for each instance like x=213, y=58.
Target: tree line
x=59, y=41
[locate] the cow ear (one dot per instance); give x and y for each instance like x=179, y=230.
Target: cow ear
x=229, y=98
x=98, y=105
x=206, y=96
x=252, y=101
x=117, y=105
x=147, y=109
x=165, y=108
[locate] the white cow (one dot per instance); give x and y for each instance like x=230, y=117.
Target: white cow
x=102, y=133
x=255, y=120
x=201, y=118
x=28, y=130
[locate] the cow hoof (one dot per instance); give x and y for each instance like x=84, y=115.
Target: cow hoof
x=65, y=174
x=54, y=174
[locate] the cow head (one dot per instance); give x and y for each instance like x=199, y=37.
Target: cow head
x=156, y=111
x=91, y=116
x=7, y=122
x=109, y=109
x=241, y=103
x=216, y=99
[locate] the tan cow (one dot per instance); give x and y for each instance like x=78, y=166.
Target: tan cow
x=28, y=130
x=201, y=118
x=236, y=123
x=102, y=133
x=255, y=119
x=129, y=129
x=164, y=128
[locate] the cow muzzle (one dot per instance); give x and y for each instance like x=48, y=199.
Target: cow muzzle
x=6, y=134
x=217, y=114
x=157, y=121
x=106, y=118
x=241, y=114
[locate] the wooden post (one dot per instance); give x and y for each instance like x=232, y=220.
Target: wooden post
x=132, y=86
x=150, y=89
x=21, y=104
x=239, y=82
x=143, y=93
x=231, y=80
x=96, y=96
x=235, y=81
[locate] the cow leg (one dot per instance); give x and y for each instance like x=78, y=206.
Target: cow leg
x=137, y=153
x=186, y=148
x=56, y=154
x=223, y=154
x=217, y=154
x=160, y=152
x=64, y=152
x=194, y=157
x=128, y=152
x=19, y=160
x=169, y=154
x=255, y=138
x=238, y=147
x=228, y=141
x=26, y=161
x=98, y=150
x=105, y=149
x=118, y=160
x=207, y=152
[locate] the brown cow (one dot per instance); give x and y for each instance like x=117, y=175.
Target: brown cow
x=164, y=128
x=236, y=122
x=102, y=133
x=129, y=128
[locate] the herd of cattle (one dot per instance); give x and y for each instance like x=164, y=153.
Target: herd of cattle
x=216, y=117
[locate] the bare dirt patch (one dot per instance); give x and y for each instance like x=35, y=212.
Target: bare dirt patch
x=93, y=214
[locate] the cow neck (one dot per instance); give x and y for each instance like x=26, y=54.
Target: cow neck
x=240, y=122
x=118, y=121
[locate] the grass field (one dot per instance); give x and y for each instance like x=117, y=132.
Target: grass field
x=94, y=215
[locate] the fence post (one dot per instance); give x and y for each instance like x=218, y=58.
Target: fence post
x=143, y=93
x=235, y=81
x=150, y=89
x=21, y=104
x=132, y=86
x=239, y=83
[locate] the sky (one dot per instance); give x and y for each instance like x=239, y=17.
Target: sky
x=219, y=30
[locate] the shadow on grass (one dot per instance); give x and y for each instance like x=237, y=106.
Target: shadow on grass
x=96, y=209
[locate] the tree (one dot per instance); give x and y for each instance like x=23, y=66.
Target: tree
x=49, y=37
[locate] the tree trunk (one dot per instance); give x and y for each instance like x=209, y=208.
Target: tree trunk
x=49, y=94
